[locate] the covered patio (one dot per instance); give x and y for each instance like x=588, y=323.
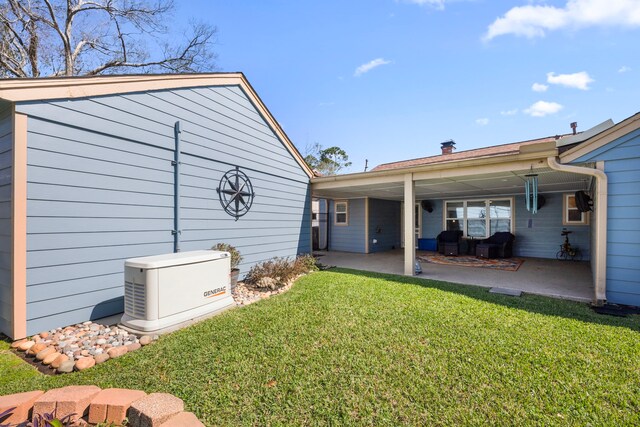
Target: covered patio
x=559, y=279
x=372, y=229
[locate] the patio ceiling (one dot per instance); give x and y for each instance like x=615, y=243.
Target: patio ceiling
x=505, y=183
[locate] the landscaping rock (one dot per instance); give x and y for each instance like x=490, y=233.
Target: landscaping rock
x=17, y=344
x=245, y=294
x=36, y=348
x=100, y=358
x=153, y=410
x=72, y=401
x=22, y=402
x=85, y=363
x=133, y=346
x=116, y=352
x=183, y=419
x=111, y=405
x=66, y=366
x=26, y=345
x=145, y=340
x=88, y=405
x=45, y=352
x=59, y=360
x=85, y=340
x=51, y=358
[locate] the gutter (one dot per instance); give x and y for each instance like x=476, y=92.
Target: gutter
x=600, y=279
x=437, y=166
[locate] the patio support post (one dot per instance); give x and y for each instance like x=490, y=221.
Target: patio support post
x=409, y=227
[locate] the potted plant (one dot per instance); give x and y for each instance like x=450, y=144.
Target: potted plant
x=236, y=258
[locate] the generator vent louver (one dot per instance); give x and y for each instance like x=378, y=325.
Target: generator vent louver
x=134, y=299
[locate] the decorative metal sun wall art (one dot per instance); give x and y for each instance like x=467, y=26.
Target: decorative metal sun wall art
x=236, y=193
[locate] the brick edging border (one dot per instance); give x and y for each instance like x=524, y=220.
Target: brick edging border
x=94, y=405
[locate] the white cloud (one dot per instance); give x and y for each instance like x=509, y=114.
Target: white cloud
x=437, y=4
x=536, y=20
x=543, y=108
x=624, y=69
x=579, y=80
x=482, y=122
x=365, y=68
x=509, y=112
x=539, y=87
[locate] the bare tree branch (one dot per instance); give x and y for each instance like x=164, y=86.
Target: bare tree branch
x=53, y=22
x=89, y=37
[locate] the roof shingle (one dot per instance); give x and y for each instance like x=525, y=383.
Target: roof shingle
x=496, y=150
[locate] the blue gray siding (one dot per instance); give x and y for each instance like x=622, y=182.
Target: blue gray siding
x=6, y=162
x=541, y=238
x=538, y=238
x=622, y=166
x=348, y=238
x=384, y=225
x=432, y=222
x=100, y=190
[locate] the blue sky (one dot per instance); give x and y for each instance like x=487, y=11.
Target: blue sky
x=389, y=80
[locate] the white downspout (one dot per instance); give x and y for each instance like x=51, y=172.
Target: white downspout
x=600, y=282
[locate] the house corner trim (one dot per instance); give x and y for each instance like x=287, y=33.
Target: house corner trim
x=19, y=226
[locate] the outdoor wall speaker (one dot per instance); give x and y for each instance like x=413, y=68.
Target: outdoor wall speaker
x=583, y=201
x=426, y=205
x=541, y=201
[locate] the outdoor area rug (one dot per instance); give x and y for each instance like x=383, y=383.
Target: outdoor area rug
x=507, y=264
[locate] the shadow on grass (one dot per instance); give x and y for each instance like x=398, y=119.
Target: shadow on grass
x=531, y=303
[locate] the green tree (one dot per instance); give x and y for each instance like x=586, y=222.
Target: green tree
x=41, y=38
x=327, y=161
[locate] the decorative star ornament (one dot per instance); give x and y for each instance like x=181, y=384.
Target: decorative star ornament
x=236, y=193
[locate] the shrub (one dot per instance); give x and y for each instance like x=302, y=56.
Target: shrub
x=236, y=258
x=306, y=264
x=278, y=272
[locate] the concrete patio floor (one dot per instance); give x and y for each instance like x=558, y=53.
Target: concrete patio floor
x=558, y=279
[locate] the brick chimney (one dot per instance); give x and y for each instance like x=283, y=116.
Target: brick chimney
x=448, y=146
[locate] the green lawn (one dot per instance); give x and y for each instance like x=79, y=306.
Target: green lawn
x=347, y=347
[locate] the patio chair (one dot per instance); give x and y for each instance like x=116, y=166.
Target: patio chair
x=500, y=245
x=450, y=239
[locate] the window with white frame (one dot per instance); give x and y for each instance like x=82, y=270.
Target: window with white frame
x=479, y=218
x=342, y=213
x=571, y=214
x=454, y=216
